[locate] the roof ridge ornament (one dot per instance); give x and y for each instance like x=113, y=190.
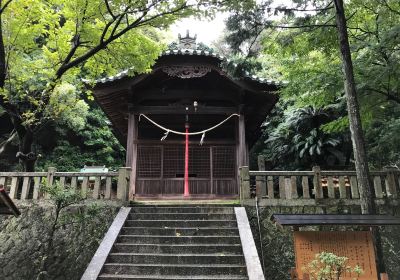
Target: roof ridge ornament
x=187, y=42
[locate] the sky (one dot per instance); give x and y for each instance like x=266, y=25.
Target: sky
x=207, y=31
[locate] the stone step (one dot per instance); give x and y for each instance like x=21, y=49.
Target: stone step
x=181, y=223
x=159, y=239
x=172, y=277
x=181, y=230
x=174, y=269
x=198, y=209
x=180, y=216
x=176, y=258
x=187, y=203
x=178, y=249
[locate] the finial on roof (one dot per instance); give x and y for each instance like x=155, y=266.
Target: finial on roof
x=187, y=42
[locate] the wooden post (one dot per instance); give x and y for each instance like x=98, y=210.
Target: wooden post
x=50, y=176
x=317, y=182
x=288, y=188
x=122, y=186
x=74, y=182
x=36, y=187
x=25, y=188
x=50, y=179
x=96, y=187
x=261, y=188
x=293, y=187
x=14, y=187
x=270, y=184
x=186, y=174
x=305, y=186
x=108, y=188
x=131, y=152
x=390, y=183
x=282, y=188
x=354, y=187
x=293, y=274
x=244, y=183
x=342, y=187
x=331, y=187
x=378, y=187
x=242, y=141
x=84, y=187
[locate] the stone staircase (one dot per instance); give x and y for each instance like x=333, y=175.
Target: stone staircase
x=176, y=242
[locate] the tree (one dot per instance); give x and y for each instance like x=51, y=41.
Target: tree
x=319, y=15
x=315, y=15
x=71, y=149
x=48, y=46
x=357, y=135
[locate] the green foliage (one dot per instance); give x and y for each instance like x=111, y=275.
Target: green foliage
x=66, y=213
x=42, y=37
x=294, y=139
x=303, y=49
x=62, y=197
x=383, y=139
x=66, y=107
x=328, y=266
x=95, y=144
x=52, y=46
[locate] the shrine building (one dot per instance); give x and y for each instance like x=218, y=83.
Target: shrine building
x=188, y=90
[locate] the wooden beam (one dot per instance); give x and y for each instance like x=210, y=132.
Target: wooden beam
x=202, y=94
x=178, y=110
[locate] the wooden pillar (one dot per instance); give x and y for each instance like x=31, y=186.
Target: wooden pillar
x=131, y=152
x=241, y=153
x=242, y=150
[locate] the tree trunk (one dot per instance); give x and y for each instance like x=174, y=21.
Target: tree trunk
x=26, y=156
x=2, y=55
x=357, y=135
x=367, y=194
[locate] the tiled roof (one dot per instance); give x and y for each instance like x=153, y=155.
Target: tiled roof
x=197, y=52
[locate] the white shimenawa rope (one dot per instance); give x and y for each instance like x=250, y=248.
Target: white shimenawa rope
x=203, y=132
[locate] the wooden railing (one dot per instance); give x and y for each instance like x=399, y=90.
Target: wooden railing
x=105, y=185
x=309, y=187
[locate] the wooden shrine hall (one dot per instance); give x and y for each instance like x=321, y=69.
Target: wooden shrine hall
x=187, y=125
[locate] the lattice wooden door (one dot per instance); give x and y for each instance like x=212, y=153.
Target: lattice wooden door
x=212, y=170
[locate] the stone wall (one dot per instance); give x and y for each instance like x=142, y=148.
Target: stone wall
x=23, y=239
x=277, y=242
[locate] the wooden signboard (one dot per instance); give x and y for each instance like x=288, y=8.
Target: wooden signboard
x=357, y=246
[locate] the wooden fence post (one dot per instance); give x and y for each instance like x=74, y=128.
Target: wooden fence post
x=317, y=182
x=244, y=182
x=123, y=183
x=261, y=186
x=50, y=179
x=390, y=183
